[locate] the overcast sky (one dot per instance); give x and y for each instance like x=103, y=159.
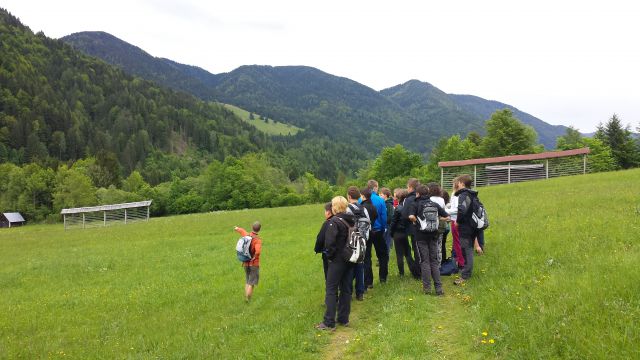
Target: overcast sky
x=566, y=62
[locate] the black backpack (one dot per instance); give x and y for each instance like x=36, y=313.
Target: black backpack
x=428, y=218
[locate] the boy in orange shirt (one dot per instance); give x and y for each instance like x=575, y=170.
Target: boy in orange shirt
x=252, y=267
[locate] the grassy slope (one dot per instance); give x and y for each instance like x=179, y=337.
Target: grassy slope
x=559, y=280
x=271, y=128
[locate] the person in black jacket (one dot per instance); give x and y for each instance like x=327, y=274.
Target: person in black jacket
x=399, y=232
x=381, y=250
x=340, y=270
x=407, y=210
x=319, y=248
x=467, y=232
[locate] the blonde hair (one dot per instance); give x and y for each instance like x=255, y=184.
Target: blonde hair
x=338, y=205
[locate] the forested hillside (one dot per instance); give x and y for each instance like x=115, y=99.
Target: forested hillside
x=57, y=104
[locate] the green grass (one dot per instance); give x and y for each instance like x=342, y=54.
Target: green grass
x=272, y=127
x=560, y=280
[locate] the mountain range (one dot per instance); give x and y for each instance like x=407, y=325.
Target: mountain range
x=415, y=114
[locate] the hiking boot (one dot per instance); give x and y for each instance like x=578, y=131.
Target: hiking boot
x=322, y=326
x=426, y=291
x=370, y=286
x=439, y=292
x=458, y=281
x=343, y=324
x=360, y=297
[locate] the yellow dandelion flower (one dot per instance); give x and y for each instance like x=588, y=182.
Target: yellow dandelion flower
x=484, y=333
x=410, y=299
x=440, y=327
x=484, y=341
x=491, y=341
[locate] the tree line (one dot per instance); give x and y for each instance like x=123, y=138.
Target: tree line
x=253, y=181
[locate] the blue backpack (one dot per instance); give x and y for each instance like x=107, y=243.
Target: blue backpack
x=243, y=248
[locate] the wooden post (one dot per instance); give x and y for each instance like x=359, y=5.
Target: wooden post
x=148, y=212
x=125, y=216
x=509, y=173
x=584, y=164
x=442, y=178
x=105, y=218
x=64, y=220
x=83, y=220
x=475, y=176
x=547, y=166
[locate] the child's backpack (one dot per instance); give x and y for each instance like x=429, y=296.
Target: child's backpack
x=363, y=222
x=356, y=244
x=428, y=218
x=243, y=248
x=448, y=267
x=479, y=217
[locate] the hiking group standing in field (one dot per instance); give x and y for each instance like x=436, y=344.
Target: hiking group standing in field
x=420, y=214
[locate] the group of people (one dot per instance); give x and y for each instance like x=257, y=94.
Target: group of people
x=388, y=221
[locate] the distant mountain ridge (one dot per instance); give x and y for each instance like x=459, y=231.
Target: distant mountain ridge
x=415, y=114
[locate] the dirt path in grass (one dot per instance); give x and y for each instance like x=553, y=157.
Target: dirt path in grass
x=342, y=337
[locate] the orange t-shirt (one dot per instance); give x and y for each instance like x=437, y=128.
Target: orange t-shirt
x=255, y=248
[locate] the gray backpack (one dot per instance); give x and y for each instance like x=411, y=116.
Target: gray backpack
x=428, y=218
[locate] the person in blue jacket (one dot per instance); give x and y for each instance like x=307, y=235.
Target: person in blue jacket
x=376, y=238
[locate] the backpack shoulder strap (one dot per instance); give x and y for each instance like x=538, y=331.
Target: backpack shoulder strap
x=344, y=222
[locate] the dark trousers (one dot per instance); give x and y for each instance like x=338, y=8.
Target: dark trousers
x=481, y=239
x=358, y=276
x=325, y=265
x=416, y=255
x=403, y=251
x=429, y=264
x=376, y=238
x=444, y=246
x=466, y=244
x=338, y=292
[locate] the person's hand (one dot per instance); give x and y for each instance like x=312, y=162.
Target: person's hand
x=479, y=250
x=235, y=228
x=412, y=218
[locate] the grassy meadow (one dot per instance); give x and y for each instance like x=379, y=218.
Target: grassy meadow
x=272, y=127
x=559, y=279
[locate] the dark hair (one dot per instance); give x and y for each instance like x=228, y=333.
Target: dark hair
x=413, y=183
x=366, y=193
x=353, y=192
x=386, y=192
x=467, y=180
x=422, y=190
x=327, y=206
x=434, y=189
x=256, y=226
x=446, y=197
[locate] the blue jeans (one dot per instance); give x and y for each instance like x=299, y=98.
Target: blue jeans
x=358, y=275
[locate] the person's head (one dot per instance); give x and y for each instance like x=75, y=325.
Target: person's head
x=366, y=193
x=422, y=191
x=462, y=181
x=339, y=205
x=434, y=189
x=327, y=210
x=256, y=227
x=412, y=184
x=372, y=185
x=385, y=193
x=400, y=194
x=353, y=194
x=445, y=196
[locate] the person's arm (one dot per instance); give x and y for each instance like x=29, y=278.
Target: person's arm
x=382, y=213
x=241, y=231
x=319, y=247
x=330, y=239
x=442, y=213
x=413, y=213
x=464, y=203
